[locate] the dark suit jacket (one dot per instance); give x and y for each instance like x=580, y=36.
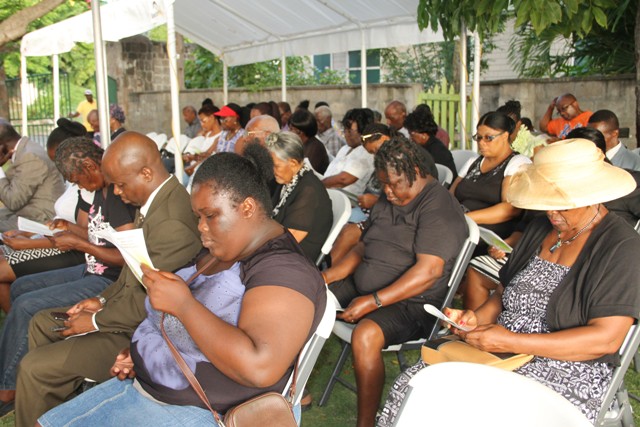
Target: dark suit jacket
x=172, y=237
x=33, y=183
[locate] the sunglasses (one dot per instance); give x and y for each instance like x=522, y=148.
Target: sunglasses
x=370, y=137
x=487, y=138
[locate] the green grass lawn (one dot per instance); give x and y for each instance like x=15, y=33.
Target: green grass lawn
x=341, y=409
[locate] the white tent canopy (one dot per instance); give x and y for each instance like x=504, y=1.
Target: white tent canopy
x=247, y=31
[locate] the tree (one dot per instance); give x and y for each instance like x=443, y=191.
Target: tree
x=573, y=19
x=16, y=25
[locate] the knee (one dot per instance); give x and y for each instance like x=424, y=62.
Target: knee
x=367, y=339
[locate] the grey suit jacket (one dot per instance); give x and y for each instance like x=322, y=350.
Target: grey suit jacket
x=33, y=184
x=626, y=159
x=171, y=232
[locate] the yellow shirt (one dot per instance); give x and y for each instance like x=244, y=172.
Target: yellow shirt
x=84, y=108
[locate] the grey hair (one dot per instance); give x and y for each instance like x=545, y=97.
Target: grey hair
x=263, y=123
x=324, y=111
x=285, y=145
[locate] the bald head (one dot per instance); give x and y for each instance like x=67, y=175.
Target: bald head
x=132, y=164
x=395, y=114
x=567, y=106
x=257, y=129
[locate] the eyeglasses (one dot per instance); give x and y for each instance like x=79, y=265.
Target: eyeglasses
x=254, y=132
x=564, y=108
x=370, y=137
x=487, y=138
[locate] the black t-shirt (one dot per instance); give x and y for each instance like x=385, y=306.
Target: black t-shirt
x=279, y=262
x=432, y=223
x=106, y=209
x=316, y=152
x=441, y=154
x=308, y=208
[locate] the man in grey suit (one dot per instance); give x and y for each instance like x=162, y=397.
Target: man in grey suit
x=55, y=367
x=607, y=123
x=31, y=184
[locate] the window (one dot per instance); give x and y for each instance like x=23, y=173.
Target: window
x=373, y=66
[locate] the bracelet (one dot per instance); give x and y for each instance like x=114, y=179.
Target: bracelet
x=102, y=300
x=377, y=300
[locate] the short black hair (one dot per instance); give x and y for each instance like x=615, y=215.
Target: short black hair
x=512, y=109
x=66, y=129
x=361, y=116
x=7, y=132
x=498, y=121
x=305, y=121
x=403, y=156
x=72, y=151
x=421, y=121
x=593, y=135
x=606, y=116
x=236, y=176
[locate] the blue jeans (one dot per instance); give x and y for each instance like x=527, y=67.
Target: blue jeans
x=118, y=403
x=35, y=292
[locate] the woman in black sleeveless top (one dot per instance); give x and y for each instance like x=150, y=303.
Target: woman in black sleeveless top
x=480, y=187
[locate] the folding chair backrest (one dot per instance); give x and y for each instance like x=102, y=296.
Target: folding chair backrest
x=459, y=267
x=312, y=348
x=341, y=208
x=445, y=175
x=460, y=157
x=627, y=352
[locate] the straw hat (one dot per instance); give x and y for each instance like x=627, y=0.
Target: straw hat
x=566, y=175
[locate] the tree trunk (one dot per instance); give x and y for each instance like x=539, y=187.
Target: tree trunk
x=15, y=26
x=4, y=98
x=637, y=52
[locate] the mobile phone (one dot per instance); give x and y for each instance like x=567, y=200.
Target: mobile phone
x=59, y=315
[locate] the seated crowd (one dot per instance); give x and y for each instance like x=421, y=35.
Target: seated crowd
x=234, y=240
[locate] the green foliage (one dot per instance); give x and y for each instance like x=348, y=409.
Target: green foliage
x=204, y=70
x=603, y=51
x=568, y=17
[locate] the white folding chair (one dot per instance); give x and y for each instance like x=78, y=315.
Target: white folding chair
x=341, y=208
x=311, y=350
x=445, y=176
x=620, y=414
x=468, y=394
x=343, y=330
x=460, y=157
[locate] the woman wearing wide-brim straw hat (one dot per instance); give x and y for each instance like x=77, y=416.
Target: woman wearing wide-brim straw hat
x=570, y=289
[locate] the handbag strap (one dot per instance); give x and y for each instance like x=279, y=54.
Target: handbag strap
x=191, y=378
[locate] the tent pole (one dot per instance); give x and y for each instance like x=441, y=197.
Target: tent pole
x=284, y=76
x=24, y=89
x=56, y=88
x=174, y=85
x=475, y=106
x=101, y=78
x=225, y=83
x=463, y=85
x=363, y=69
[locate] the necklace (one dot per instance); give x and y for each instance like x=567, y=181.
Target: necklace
x=561, y=242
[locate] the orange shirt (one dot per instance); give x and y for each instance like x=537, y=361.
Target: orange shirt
x=560, y=127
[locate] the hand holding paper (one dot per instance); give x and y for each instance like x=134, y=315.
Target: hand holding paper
x=440, y=315
x=131, y=245
x=25, y=224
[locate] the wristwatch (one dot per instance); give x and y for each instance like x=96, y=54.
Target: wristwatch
x=102, y=300
x=377, y=300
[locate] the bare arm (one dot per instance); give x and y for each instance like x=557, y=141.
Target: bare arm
x=339, y=181
x=497, y=213
x=455, y=184
x=274, y=323
x=298, y=234
x=346, y=265
x=66, y=241
x=546, y=118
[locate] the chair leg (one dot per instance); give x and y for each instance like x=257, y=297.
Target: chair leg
x=636, y=361
x=335, y=375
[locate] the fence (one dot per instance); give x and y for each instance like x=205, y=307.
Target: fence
x=40, y=107
x=445, y=106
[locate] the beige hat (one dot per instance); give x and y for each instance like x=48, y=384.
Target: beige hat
x=566, y=175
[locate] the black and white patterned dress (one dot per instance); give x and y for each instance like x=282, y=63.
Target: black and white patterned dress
x=524, y=311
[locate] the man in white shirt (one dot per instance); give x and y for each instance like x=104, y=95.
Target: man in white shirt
x=607, y=122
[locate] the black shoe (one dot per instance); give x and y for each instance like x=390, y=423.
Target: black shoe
x=6, y=407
